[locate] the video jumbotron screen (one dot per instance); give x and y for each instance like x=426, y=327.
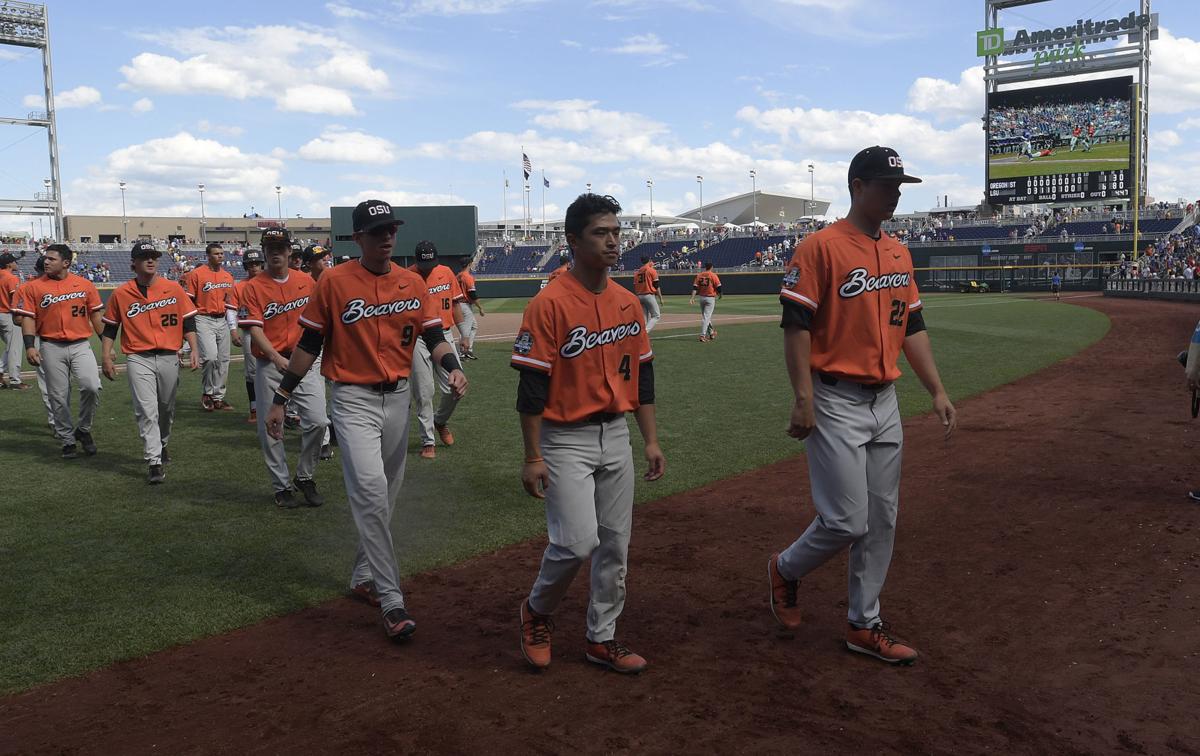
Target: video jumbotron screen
x=1060, y=143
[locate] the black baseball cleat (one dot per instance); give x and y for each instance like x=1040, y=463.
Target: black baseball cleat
x=397, y=624
x=69, y=452
x=156, y=475
x=1194, y=495
x=309, y=489
x=85, y=440
x=165, y=456
x=285, y=500
x=326, y=452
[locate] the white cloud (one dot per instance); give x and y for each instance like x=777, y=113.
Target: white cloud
x=345, y=11
x=260, y=62
x=582, y=116
x=460, y=7
x=945, y=99
x=161, y=177
x=1165, y=139
x=144, y=105
x=1174, y=86
x=401, y=197
x=79, y=97
x=340, y=146
x=569, y=43
x=314, y=98
x=649, y=46
x=206, y=126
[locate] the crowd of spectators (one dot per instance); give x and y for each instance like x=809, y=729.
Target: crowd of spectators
x=1174, y=257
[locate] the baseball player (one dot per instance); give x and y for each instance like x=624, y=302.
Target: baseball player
x=707, y=285
x=585, y=360
x=269, y=310
x=296, y=256
x=315, y=260
x=1027, y=144
x=646, y=286
x=10, y=333
x=368, y=315
x=1056, y=286
x=467, y=325
x=443, y=289
x=211, y=288
x=1091, y=137
x=850, y=305
x=564, y=264
x=63, y=309
x=1075, y=132
x=252, y=262
x=154, y=317
x=39, y=269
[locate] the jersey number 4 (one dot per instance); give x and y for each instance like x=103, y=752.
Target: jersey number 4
x=899, y=307
x=624, y=367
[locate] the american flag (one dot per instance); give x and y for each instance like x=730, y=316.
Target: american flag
x=528, y=165
x=546, y=182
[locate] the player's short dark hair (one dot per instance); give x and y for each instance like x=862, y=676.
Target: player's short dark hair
x=645, y=259
x=211, y=246
x=708, y=265
x=63, y=251
x=584, y=207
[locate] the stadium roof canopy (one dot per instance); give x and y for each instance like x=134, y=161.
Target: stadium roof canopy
x=772, y=208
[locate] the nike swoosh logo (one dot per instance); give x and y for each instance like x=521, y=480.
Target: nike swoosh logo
x=895, y=257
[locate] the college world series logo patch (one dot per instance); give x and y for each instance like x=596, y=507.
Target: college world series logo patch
x=791, y=278
x=524, y=343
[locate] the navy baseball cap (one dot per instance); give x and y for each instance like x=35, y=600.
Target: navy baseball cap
x=426, y=253
x=252, y=257
x=143, y=249
x=879, y=163
x=275, y=236
x=7, y=259
x=372, y=214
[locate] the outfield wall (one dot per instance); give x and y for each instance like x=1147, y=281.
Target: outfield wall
x=1175, y=290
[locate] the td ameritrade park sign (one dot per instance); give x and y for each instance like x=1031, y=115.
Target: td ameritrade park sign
x=1063, y=44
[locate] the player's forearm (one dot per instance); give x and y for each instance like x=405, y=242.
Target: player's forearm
x=441, y=351
x=106, y=347
x=919, y=351
x=28, y=327
x=97, y=322
x=192, y=342
x=259, y=339
x=531, y=433
x=797, y=353
x=301, y=362
x=647, y=423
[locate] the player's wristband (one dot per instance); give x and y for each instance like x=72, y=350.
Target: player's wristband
x=279, y=398
x=289, y=383
x=450, y=362
x=30, y=341
x=533, y=460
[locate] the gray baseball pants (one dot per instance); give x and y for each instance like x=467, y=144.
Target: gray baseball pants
x=41, y=382
x=13, y=355
x=249, y=361
x=589, y=514
x=308, y=399
x=854, y=465
x=468, y=326
x=372, y=431
x=212, y=331
x=651, y=309
x=707, y=305
x=62, y=361
x=153, y=380
x=423, y=374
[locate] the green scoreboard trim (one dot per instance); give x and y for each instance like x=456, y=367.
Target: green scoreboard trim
x=453, y=228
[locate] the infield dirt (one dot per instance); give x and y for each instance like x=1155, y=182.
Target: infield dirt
x=1047, y=566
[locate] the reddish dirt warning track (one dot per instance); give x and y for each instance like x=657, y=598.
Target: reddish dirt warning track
x=1047, y=566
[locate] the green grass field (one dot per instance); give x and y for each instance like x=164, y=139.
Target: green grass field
x=1113, y=156
x=99, y=566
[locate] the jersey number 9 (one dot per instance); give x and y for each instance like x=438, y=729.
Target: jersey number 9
x=406, y=337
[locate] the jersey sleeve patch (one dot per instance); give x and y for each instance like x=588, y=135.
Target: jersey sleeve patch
x=798, y=297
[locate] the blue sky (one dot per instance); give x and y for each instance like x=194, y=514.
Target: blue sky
x=422, y=102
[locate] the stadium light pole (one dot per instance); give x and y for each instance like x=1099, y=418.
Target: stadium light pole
x=124, y=217
x=203, y=220
x=650, y=186
x=279, y=203
x=754, y=192
x=811, y=191
x=700, y=181
x=47, y=195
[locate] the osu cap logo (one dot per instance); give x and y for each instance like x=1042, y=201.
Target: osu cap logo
x=371, y=214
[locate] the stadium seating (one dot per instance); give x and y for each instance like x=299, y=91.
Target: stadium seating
x=494, y=261
x=1096, y=227
x=737, y=251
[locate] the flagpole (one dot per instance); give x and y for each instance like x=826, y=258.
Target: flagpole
x=543, y=205
x=524, y=197
x=504, y=199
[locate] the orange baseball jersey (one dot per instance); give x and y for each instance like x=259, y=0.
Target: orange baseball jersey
x=275, y=307
x=645, y=281
x=591, y=345
x=370, y=322
x=861, y=292
x=9, y=283
x=153, y=320
x=61, y=309
x=212, y=291
x=558, y=272
x=466, y=281
x=445, y=291
x=706, y=283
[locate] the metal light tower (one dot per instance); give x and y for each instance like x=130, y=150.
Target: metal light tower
x=27, y=25
x=279, y=203
x=812, y=195
x=124, y=217
x=700, y=181
x=203, y=219
x=754, y=192
x=650, y=186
